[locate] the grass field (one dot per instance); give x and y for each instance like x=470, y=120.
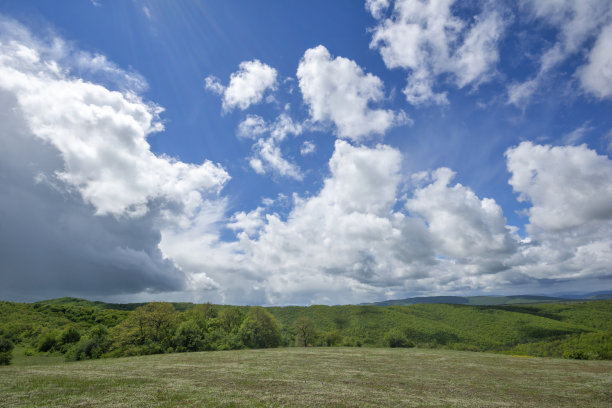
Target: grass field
x=303, y=377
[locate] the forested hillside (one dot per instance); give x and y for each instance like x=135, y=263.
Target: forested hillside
x=80, y=329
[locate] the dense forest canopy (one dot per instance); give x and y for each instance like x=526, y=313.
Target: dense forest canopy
x=80, y=329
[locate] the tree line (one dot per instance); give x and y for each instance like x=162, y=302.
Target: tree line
x=80, y=331
x=158, y=327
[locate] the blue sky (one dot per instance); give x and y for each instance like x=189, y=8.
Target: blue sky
x=305, y=152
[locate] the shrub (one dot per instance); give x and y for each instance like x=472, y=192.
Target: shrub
x=47, y=342
x=93, y=346
x=396, y=338
x=6, y=351
x=70, y=335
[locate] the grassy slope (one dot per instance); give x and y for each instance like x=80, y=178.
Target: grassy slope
x=339, y=377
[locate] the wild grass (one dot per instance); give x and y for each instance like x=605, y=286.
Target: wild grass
x=312, y=377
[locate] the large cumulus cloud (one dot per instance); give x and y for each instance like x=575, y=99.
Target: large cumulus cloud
x=84, y=198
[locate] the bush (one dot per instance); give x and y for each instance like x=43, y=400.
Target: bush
x=6, y=351
x=96, y=344
x=578, y=355
x=396, y=338
x=70, y=335
x=47, y=342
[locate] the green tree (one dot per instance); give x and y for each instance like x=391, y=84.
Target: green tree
x=260, y=329
x=304, y=331
x=230, y=319
x=6, y=351
x=70, y=335
x=189, y=337
x=153, y=323
x=202, y=315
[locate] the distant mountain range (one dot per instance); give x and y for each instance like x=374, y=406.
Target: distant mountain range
x=457, y=300
x=491, y=300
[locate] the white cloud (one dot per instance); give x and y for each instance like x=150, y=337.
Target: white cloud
x=246, y=87
x=284, y=126
x=252, y=127
x=337, y=90
x=213, y=84
x=101, y=136
x=463, y=225
x=250, y=222
x=519, y=94
x=577, y=22
x=568, y=186
x=267, y=155
x=377, y=7
x=345, y=236
x=427, y=39
x=596, y=76
x=348, y=241
x=307, y=148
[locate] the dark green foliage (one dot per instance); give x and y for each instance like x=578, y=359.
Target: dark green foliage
x=332, y=338
x=540, y=329
x=6, y=349
x=396, y=338
x=151, y=326
x=70, y=335
x=48, y=342
x=189, y=337
x=260, y=329
x=94, y=345
x=230, y=319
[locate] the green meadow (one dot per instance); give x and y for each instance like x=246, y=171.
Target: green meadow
x=311, y=377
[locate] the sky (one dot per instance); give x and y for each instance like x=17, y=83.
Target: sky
x=297, y=153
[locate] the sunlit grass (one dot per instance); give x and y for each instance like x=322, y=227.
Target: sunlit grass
x=341, y=377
